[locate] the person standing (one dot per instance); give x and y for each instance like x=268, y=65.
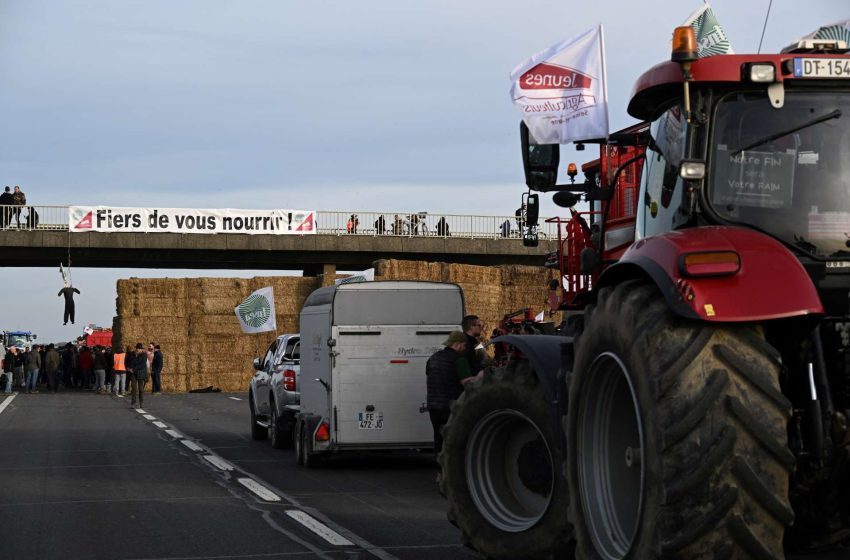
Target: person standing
x=447, y=371
x=119, y=386
x=6, y=203
x=140, y=376
x=380, y=225
x=51, y=366
x=156, y=370
x=471, y=326
x=9, y=368
x=33, y=365
x=68, y=291
x=99, y=367
x=19, y=369
x=110, y=363
x=19, y=200
x=86, y=367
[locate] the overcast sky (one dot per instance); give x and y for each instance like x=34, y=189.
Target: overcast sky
x=325, y=105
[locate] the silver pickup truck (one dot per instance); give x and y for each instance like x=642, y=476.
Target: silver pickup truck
x=273, y=394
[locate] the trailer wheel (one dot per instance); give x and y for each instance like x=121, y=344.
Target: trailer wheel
x=677, y=431
x=502, y=468
x=258, y=433
x=278, y=432
x=311, y=460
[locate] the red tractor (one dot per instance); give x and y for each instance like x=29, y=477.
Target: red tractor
x=701, y=408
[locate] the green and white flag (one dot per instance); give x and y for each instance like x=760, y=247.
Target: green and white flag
x=838, y=31
x=711, y=39
x=256, y=313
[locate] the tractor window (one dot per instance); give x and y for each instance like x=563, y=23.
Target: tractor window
x=785, y=171
x=661, y=189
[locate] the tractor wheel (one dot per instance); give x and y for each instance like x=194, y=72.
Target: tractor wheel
x=279, y=432
x=677, y=431
x=502, y=470
x=258, y=433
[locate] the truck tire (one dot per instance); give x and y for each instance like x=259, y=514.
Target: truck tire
x=258, y=433
x=678, y=435
x=502, y=470
x=279, y=432
x=299, y=442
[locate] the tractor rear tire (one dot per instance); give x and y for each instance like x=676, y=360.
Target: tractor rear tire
x=678, y=434
x=502, y=469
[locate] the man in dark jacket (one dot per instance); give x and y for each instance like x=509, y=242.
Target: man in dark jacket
x=471, y=326
x=68, y=291
x=139, y=363
x=156, y=370
x=52, y=361
x=447, y=372
x=6, y=210
x=9, y=368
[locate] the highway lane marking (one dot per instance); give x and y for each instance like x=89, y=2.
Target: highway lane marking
x=150, y=416
x=175, y=434
x=234, y=398
x=8, y=400
x=140, y=411
x=319, y=528
x=161, y=425
x=218, y=462
x=191, y=445
x=259, y=489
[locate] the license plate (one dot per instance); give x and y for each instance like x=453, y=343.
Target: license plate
x=370, y=420
x=822, y=68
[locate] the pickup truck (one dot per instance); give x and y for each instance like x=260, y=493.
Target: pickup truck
x=273, y=394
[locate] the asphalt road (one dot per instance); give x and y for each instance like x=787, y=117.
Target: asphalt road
x=85, y=476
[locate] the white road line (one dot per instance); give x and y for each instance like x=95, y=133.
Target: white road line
x=191, y=445
x=7, y=401
x=218, y=462
x=259, y=489
x=175, y=434
x=150, y=416
x=160, y=425
x=140, y=411
x=319, y=528
x=234, y=398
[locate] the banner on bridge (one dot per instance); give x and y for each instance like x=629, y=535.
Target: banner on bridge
x=83, y=219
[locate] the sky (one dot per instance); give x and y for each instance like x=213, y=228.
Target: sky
x=381, y=105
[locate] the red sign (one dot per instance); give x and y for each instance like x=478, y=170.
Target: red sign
x=551, y=76
x=85, y=223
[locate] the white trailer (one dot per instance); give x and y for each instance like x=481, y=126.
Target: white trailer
x=363, y=352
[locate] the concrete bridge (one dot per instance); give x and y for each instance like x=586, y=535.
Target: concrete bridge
x=481, y=240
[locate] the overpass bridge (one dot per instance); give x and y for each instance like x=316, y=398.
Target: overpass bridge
x=468, y=239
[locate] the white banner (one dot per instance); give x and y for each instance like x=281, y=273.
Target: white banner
x=711, y=39
x=562, y=92
x=256, y=313
x=367, y=275
x=83, y=219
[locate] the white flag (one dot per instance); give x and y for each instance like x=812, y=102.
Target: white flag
x=540, y=316
x=711, y=39
x=840, y=31
x=562, y=92
x=256, y=313
x=87, y=329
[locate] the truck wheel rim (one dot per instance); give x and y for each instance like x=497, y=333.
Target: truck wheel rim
x=509, y=470
x=610, y=457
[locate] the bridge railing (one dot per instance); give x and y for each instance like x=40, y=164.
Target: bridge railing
x=402, y=224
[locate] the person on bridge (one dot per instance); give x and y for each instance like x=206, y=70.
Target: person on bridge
x=353, y=223
x=380, y=225
x=68, y=291
x=20, y=199
x=6, y=202
x=443, y=227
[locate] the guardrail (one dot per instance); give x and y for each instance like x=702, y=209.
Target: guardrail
x=398, y=224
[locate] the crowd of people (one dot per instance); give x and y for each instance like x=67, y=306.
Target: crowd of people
x=12, y=205
x=98, y=369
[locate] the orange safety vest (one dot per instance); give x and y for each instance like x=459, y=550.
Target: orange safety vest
x=119, y=362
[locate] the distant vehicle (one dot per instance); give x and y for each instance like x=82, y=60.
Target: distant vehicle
x=19, y=339
x=99, y=337
x=367, y=344
x=273, y=395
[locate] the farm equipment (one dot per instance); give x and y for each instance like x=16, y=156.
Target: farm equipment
x=702, y=407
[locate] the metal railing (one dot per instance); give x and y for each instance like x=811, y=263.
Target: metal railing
x=398, y=224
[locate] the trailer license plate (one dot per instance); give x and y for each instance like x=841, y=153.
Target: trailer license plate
x=370, y=420
x=822, y=68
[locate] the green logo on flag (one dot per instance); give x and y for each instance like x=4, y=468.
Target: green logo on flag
x=255, y=311
x=711, y=39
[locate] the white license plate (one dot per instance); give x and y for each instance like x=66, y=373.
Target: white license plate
x=370, y=420
x=822, y=68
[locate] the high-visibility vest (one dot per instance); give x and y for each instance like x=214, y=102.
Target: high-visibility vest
x=119, y=362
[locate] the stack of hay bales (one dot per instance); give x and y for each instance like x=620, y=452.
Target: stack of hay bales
x=203, y=345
